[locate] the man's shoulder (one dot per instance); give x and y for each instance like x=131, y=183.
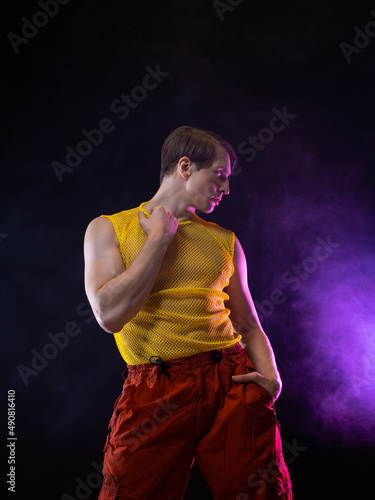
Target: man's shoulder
x=123, y=214
x=224, y=236
x=213, y=226
x=123, y=220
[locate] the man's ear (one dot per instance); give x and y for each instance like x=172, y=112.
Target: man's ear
x=184, y=167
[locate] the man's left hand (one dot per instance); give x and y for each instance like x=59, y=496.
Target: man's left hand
x=272, y=385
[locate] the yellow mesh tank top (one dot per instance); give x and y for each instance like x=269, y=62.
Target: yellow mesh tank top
x=185, y=313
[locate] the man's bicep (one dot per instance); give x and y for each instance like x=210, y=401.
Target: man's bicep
x=103, y=260
x=240, y=302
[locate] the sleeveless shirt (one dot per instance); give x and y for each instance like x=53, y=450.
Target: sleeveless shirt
x=185, y=313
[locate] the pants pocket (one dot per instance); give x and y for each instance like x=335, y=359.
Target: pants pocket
x=108, y=435
x=266, y=396
x=281, y=483
x=109, y=488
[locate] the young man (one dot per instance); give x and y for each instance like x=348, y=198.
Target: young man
x=201, y=374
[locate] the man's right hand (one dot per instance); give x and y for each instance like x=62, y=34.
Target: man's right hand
x=161, y=224
x=116, y=292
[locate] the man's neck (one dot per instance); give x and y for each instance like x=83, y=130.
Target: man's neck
x=171, y=199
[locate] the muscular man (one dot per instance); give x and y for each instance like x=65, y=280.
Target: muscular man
x=201, y=376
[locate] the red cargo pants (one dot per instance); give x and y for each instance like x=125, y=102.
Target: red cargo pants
x=188, y=408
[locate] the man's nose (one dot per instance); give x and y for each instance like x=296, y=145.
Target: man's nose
x=225, y=188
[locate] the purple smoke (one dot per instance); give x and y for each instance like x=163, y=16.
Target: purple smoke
x=310, y=245
x=341, y=340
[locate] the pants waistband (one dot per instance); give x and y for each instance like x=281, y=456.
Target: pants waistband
x=189, y=362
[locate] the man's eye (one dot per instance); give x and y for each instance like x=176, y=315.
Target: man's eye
x=222, y=175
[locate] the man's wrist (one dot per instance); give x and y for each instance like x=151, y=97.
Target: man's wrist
x=159, y=243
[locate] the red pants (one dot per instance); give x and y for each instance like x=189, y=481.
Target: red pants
x=162, y=421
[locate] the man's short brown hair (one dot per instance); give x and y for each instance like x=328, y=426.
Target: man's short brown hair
x=197, y=144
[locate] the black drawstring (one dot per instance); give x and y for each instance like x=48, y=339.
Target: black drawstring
x=156, y=360
x=216, y=356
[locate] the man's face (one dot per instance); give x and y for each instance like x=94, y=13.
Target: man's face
x=207, y=185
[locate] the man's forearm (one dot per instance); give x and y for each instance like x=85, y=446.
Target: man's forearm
x=257, y=346
x=120, y=299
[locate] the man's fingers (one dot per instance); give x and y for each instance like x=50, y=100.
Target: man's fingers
x=273, y=387
x=143, y=221
x=246, y=377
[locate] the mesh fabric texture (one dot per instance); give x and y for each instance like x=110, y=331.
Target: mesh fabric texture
x=185, y=313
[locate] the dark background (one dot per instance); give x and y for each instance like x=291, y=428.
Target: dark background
x=312, y=183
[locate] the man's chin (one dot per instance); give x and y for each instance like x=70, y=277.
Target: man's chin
x=207, y=210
